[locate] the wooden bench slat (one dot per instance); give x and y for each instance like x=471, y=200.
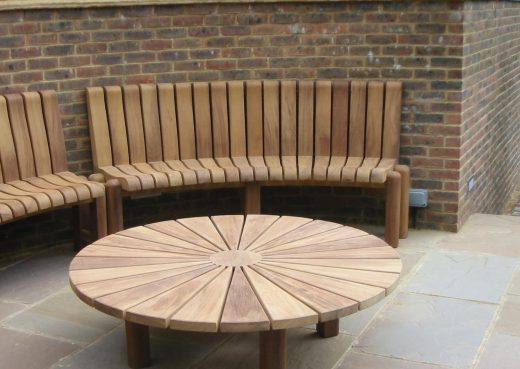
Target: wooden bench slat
x=28, y=203
x=185, y=121
x=128, y=182
x=134, y=124
x=288, y=130
x=42, y=199
x=254, y=116
x=16, y=206
x=340, y=118
x=167, y=107
x=161, y=179
x=55, y=135
x=237, y=119
x=392, y=121
x=358, y=96
x=96, y=189
x=98, y=126
x=220, y=119
x=203, y=174
x=7, y=148
x=37, y=131
x=147, y=181
x=374, y=125
x=305, y=129
x=271, y=149
x=68, y=193
x=117, y=125
x=22, y=139
x=189, y=177
x=231, y=170
x=218, y=175
x=56, y=196
x=174, y=178
x=202, y=112
x=81, y=190
x=6, y=214
x=151, y=121
x=322, y=129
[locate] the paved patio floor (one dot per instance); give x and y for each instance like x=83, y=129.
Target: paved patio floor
x=457, y=306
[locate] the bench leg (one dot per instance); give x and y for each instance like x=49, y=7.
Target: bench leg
x=137, y=345
x=252, y=201
x=114, y=206
x=392, y=208
x=101, y=216
x=273, y=349
x=328, y=329
x=404, y=171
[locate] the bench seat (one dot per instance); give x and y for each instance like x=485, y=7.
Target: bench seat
x=167, y=136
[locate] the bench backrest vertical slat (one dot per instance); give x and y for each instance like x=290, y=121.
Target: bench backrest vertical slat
x=7, y=149
x=306, y=118
x=202, y=110
x=323, y=118
x=356, y=132
x=187, y=144
x=271, y=102
x=168, y=116
x=340, y=118
x=152, y=124
x=255, y=118
x=374, y=130
x=1, y=175
x=134, y=124
x=38, y=133
x=237, y=119
x=98, y=126
x=220, y=119
x=288, y=118
x=117, y=125
x=392, y=120
x=22, y=139
x=55, y=135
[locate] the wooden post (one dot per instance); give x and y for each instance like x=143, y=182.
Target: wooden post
x=392, y=210
x=404, y=171
x=252, y=201
x=137, y=345
x=114, y=206
x=273, y=349
x=101, y=216
x=328, y=329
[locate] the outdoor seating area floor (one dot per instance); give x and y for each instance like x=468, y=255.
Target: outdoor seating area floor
x=457, y=306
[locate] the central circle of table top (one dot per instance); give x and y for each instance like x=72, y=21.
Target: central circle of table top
x=235, y=258
x=233, y=273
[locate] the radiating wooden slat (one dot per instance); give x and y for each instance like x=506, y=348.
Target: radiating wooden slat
x=363, y=253
x=97, y=262
x=391, y=133
x=366, y=295
x=205, y=228
x=328, y=305
x=347, y=244
x=230, y=228
x=185, y=121
x=305, y=129
x=288, y=130
x=283, y=309
x=254, y=226
x=376, y=265
x=117, y=125
x=51, y=113
x=322, y=138
x=98, y=125
x=283, y=225
x=134, y=124
x=151, y=121
x=22, y=139
x=158, y=309
x=242, y=310
x=37, y=132
x=202, y=313
x=168, y=119
x=179, y=231
x=99, y=249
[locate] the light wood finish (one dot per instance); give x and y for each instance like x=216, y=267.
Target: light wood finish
x=158, y=137
x=33, y=162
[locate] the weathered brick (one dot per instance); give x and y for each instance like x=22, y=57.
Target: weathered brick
x=58, y=50
x=12, y=66
x=139, y=57
x=92, y=48
x=42, y=63
x=125, y=69
x=11, y=41
x=107, y=59
x=221, y=42
x=57, y=26
x=173, y=55
x=235, y=30
x=123, y=46
x=74, y=61
x=24, y=28
x=157, y=67
x=137, y=34
x=156, y=44
x=26, y=52
x=28, y=77
x=58, y=74
x=205, y=54
x=84, y=72
x=203, y=31
x=71, y=37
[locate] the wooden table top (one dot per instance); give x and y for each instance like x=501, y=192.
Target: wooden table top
x=230, y=273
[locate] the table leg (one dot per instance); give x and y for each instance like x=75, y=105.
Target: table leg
x=328, y=329
x=137, y=345
x=273, y=349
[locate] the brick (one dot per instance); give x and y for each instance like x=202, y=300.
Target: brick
x=219, y=20
x=188, y=20
x=107, y=59
x=236, y=74
x=26, y=52
x=203, y=31
x=139, y=57
x=284, y=40
x=235, y=30
x=71, y=37
x=381, y=39
x=43, y=39
x=87, y=72
x=315, y=18
x=187, y=43
x=58, y=74
x=348, y=17
x=430, y=28
x=446, y=62
x=157, y=67
x=332, y=73
x=123, y=46
x=89, y=24
x=58, y=26
x=349, y=39
x=445, y=85
x=74, y=13
x=28, y=77
x=156, y=44
x=24, y=28
x=173, y=55
x=11, y=41
x=205, y=54
x=239, y=53
x=203, y=76
x=122, y=23
x=12, y=66
x=125, y=69
x=75, y=61
x=42, y=63
x=252, y=63
x=172, y=32
x=251, y=19
x=284, y=18
x=137, y=34
x=58, y=50
x=188, y=65
x=223, y=42
x=413, y=39
x=92, y=48
x=221, y=64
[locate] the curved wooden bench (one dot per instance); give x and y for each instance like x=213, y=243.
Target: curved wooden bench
x=338, y=133
x=33, y=162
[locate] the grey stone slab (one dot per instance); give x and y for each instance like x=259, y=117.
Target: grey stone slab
x=500, y=352
x=305, y=350
x=355, y=323
x=493, y=234
x=27, y=351
x=66, y=317
x=169, y=350
x=34, y=279
x=514, y=288
x=463, y=275
x=422, y=239
x=357, y=360
x=410, y=258
x=428, y=329
x=8, y=308
x=509, y=317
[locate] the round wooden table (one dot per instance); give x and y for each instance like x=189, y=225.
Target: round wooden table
x=233, y=273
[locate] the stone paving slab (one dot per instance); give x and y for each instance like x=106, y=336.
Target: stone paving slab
x=66, y=317
x=501, y=352
x=463, y=275
x=36, y=278
x=357, y=360
x=428, y=329
x=514, y=288
x=509, y=319
x=9, y=308
x=28, y=351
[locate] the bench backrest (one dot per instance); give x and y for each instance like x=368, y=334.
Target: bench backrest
x=31, y=136
x=146, y=123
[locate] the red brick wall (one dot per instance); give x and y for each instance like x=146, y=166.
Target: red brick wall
x=418, y=42
x=490, y=130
